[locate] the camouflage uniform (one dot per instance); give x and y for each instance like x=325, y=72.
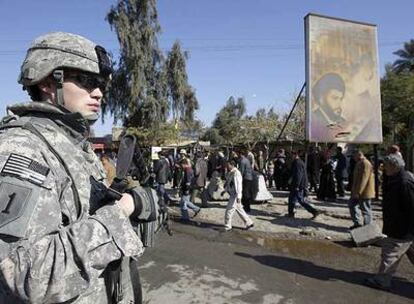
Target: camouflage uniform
x=49, y=253
x=56, y=238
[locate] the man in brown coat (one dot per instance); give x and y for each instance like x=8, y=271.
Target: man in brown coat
x=363, y=190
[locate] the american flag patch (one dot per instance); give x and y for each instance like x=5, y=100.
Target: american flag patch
x=26, y=168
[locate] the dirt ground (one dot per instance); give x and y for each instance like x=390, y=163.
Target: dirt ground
x=270, y=217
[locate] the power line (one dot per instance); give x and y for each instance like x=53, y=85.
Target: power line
x=223, y=48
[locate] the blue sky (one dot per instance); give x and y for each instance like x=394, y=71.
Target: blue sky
x=244, y=48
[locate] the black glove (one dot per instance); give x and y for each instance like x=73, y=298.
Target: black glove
x=119, y=185
x=146, y=204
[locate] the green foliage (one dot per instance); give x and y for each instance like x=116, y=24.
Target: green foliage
x=228, y=120
x=182, y=97
x=264, y=126
x=190, y=105
x=397, y=94
x=295, y=129
x=406, y=61
x=213, y=135
x=146, y=86
x=165, y=134
x=194, y=126
x=137, y=90
x=232, y=126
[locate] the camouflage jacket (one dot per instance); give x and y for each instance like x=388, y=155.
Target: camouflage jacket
x=56, y=240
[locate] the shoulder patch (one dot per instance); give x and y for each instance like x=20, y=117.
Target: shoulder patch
x=25, y=168
x=17, y=201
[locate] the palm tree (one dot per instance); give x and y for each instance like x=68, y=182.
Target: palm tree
x=406, y=61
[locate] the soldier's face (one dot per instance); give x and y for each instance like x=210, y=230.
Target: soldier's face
x=81, y=100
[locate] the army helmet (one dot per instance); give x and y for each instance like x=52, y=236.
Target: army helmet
x=58, y=50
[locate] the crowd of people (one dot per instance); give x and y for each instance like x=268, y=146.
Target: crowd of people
x=67, y=236
x=327, y=174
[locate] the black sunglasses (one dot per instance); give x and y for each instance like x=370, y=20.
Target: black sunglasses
x=89, y=81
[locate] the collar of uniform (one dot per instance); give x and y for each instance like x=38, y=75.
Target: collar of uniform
x=74, y=123
x=22, y=109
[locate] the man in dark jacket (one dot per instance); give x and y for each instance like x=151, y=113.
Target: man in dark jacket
x=340, y=172
x=313, y=168
x=248, y=187
x=398, y=218
x=298, y=184
x=281, y=171
x=221, y=164
x=186, y=182
x=162, y=174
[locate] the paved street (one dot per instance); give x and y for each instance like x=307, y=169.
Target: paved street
x=201, y=264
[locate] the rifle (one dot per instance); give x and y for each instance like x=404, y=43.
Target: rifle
x=131, y=163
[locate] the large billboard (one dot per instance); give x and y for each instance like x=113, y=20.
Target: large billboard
x=342, y=81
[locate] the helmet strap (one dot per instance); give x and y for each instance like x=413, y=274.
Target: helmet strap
x=58, y=77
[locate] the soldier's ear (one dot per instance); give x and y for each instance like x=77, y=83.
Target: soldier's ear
x=47, y=88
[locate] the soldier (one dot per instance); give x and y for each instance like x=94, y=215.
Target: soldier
x=58, y=241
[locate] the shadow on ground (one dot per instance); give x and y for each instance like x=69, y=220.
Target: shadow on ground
x=299, y=222
x=401, y=287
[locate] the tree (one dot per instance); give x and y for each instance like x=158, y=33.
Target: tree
x=397, y=95
x=232, y=125
x=213, y=136
x=146, y=88
x=295, y=129
x=264, y=126
x=190, y=105
x=138, y=94
x=164, y=134
x=183, y=101
x=228, y=120
x=406, y=61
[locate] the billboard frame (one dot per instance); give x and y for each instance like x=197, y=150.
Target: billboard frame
x=308, y=75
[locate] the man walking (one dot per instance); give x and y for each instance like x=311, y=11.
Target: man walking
x=398, y=217
x=340, y=172
x=363, y=190
x=162, y=174
x=248, y=186
x=234, y=186
x=313, y=168
x=261, y=164
x=298, y=184
x=281, y=171
x=200, y=179
x=186, y=182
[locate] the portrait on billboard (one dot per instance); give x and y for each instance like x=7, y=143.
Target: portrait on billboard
x=342, y=92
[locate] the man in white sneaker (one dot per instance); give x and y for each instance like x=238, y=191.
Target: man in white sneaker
x=234, y=186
